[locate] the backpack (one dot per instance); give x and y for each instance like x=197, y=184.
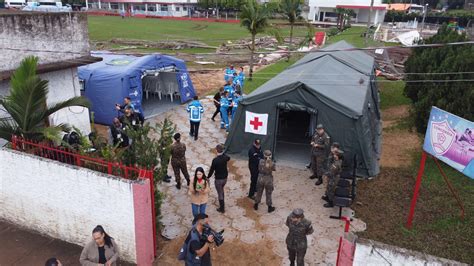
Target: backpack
x=185, y=253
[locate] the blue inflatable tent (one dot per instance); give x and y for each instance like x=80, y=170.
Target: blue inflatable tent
x=118, y=76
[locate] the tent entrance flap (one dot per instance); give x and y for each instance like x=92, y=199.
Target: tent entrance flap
x=293, y=135
x=160, y=91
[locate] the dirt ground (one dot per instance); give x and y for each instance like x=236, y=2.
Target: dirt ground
x=397, y=144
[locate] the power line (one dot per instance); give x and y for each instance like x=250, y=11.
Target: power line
x=269, y=52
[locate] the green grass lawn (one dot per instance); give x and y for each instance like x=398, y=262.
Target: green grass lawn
x=353, y=36
x=103, y=28
x=391, y=93
x=267, y=73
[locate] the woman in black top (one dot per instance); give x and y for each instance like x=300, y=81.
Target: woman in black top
x=102, y=250
x=219, y=165
x=217, y=102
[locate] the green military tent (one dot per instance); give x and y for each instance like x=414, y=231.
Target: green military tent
x=335, y=87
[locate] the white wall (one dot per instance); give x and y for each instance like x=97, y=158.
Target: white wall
x=317, y=6
x=372, y=253
x=63, y=85
x=66, y=202
x=334, y=3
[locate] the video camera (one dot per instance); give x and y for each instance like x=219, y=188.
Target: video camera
x=218, y=236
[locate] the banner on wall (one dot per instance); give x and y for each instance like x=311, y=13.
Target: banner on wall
x=450, y=138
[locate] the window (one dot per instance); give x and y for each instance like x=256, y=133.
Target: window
x=164, y=7
x=139, y=7
x=82, y=85
x=152, y=8
x=177, y=8
x=114, y=6
x=185, y=8
x=331, y=15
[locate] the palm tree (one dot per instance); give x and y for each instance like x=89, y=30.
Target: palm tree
x=291, y=9
x=26, y=105
x=254, y=17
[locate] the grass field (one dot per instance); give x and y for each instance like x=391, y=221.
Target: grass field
x=391, y=93
x=353, y=36
x=103, y=28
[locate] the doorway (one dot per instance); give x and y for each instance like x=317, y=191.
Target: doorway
x=294, y=135
x=160, y=91
x=321, y=16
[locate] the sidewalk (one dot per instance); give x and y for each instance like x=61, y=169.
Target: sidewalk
x=22, y=247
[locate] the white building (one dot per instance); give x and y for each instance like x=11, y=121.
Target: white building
x=168, y=8
x=325, y=10
x=61, y=42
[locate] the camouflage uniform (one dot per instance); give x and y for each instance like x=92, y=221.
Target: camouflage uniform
x=318, y=154
x=296, y=241
x=265, y=181
x=178, y=161
x=333, y=174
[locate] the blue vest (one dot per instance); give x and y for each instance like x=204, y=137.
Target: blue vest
x=195, y=111
x=236, y=101
x=224, y=103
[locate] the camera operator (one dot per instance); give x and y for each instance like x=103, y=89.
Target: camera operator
x=199, y=253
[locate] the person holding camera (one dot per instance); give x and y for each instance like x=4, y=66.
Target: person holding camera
x=296, y=242
x=265, y=180
x=198, y=246
x=199, y=191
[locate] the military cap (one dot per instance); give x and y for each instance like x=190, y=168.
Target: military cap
x=298, y=212
x=267, y=153
x=320, y=126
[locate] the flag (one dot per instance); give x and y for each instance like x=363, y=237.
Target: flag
x=256, y=123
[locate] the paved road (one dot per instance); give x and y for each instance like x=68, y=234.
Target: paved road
x=22, y=247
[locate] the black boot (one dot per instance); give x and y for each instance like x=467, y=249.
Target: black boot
x=328, y=205
x=178, y=185
x=221, y=208
x=319, y=182
x=325, y=198
x=255, y=206
x=313, y=177
x=271, y=209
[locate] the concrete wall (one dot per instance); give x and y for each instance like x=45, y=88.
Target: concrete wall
x=34, y=33
x=67, y=202
x=372, y=253
x=63, y=85
x=316, y=6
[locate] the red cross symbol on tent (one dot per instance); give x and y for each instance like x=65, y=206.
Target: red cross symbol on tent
x=256, y=123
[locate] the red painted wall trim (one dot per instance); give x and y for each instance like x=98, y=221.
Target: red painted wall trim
x=143, y=223
x=97, y=13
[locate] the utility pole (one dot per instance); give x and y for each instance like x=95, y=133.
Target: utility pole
x=369, y=21
x=423, y=21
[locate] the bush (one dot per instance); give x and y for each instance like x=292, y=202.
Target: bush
x=332, y=32
x=456, y=97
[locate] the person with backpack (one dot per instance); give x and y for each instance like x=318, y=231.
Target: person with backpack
x=195, y=111
x=195, y=250
x=266, y=167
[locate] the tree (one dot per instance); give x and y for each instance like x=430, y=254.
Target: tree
x=27, y=108
x=457, y=96
x=254, y=17
x=291, y=9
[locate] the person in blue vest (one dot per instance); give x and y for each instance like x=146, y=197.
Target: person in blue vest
x=235, y=103
x=229, y=73
x=242, y=77
x=224, y=110
x=195, y=111
x=236, y=82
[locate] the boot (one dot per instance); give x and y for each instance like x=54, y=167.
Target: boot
x=319, y=182
x=325, y=198
x=221, y=208
x=313, y=177
x=255, y=206
x=178, y=185
x=271, y=209
x=328, y=205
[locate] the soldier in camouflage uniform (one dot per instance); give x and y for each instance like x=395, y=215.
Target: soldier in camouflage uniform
x=319, y=147
x=265, y=180
x=333, y=174
x=178, y=160
x=296, y=241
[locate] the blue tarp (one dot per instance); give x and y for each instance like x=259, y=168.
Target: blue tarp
x=117, y=76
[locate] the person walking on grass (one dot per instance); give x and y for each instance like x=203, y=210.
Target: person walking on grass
x=195, y=111
x=199, y=191
x=219, y=166
x=265, y=180
x=178, y=160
